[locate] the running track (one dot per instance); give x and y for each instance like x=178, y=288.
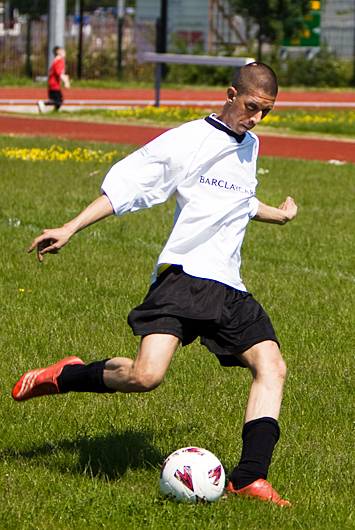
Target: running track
x=271, y=145
x=141, y=96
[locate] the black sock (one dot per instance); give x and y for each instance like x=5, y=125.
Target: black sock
x=259, y=439
x=83, y=378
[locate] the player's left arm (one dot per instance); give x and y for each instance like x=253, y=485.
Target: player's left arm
x=281, y=215
x=66, y=80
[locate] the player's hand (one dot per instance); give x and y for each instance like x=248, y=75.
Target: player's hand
x=289, y=207
x=51, y=240
x=66, y=80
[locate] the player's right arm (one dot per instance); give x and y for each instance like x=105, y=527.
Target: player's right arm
x=53, y=239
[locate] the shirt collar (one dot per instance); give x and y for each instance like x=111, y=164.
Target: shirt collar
x=212, y=120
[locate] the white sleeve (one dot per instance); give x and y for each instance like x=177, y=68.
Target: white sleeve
x=253, y=207
x=148, y=176
x=253, y=201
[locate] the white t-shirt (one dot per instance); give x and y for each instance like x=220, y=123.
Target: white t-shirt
x=212, y=173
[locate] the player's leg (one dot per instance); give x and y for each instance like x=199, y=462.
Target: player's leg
x=246, y=330
x=148, y=369
x=110, y=375
x=55, y=99
x=50, y=100
x=41, y=106
x=261, y=430
x=58, y=99
x=268, y=369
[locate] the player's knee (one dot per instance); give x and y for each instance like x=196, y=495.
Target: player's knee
x=280, y=368
x=269, y=363
x=145, y=381
x=275, y=371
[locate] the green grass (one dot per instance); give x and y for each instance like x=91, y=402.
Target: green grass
x=333, y=122
x=150, y=115
x=15, y=81
x=339, y=123
x=86, y=461
x=9, y=80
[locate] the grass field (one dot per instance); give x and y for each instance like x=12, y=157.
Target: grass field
x=340, y=123
x=86, y=461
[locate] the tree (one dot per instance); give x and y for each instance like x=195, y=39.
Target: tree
x=275, y=19
x=34, y=8
x=40, y=7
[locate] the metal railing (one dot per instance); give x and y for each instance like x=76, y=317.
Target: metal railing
x=173, y=58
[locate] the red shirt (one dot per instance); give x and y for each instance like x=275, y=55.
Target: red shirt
x=56, y=70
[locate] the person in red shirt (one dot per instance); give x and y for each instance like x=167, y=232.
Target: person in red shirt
x=56, y=76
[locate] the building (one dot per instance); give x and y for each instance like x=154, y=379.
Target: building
x=338, y=27
x=205, y=24
x=210, y=26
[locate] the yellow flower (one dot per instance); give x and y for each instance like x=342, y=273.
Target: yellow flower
x=58, y=153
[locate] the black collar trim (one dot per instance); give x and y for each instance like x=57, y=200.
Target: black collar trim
x=224, y=128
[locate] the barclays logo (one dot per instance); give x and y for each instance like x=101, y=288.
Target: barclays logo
x=221, y=183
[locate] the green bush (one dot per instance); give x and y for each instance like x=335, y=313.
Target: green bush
x=193, y=74
x=323, y=70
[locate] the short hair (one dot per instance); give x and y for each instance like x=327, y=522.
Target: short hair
x=255, y=76
x=55, y=49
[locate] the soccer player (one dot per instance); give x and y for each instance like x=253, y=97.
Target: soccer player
x=56, y=76
x=210, y=166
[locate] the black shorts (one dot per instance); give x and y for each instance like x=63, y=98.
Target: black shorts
x=227, y=321
x=57, y=97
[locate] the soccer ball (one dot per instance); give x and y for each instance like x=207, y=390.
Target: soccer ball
x=192, y=474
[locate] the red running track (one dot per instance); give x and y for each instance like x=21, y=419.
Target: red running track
x=79, y=130
x=271, y=145
x=16, y=94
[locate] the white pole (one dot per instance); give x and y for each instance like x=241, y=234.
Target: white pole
x=120, y=8
x=56, y=26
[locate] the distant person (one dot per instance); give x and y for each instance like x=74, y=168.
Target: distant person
x=56, y=76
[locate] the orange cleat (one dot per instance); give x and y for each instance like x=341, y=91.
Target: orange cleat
x=41, y=381
x=259, y=489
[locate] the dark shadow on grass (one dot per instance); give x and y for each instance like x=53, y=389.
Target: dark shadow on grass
x=108, y=456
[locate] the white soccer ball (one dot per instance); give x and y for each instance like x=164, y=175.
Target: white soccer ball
x=192, y=474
